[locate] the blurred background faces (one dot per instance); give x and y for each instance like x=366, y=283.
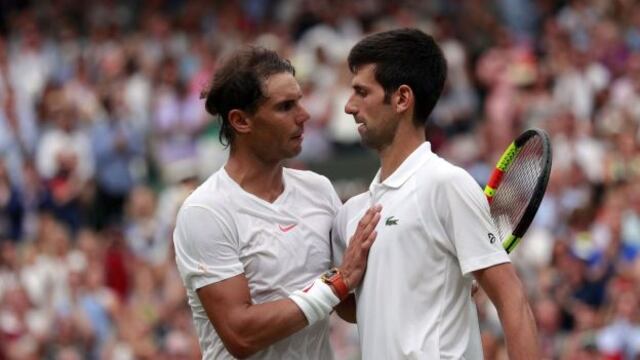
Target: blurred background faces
x=103, y=135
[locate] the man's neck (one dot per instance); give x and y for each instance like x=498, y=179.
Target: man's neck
x=406, y=141
x=255, y=176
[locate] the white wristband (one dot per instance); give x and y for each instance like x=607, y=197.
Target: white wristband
x=316, y=301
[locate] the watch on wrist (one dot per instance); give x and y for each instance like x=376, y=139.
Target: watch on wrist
x=334, y=278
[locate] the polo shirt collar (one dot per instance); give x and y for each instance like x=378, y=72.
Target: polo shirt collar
x=406, y=169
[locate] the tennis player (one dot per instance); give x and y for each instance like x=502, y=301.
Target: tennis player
x=435, y=234
x=252, y=242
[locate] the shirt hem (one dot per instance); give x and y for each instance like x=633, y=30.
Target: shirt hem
x=484, y=262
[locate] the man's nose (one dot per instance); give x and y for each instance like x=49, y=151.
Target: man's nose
x=303, y=116
x=350, y=108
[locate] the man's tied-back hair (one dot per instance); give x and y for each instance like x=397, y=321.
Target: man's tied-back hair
x=404, y=57
x=238, y=84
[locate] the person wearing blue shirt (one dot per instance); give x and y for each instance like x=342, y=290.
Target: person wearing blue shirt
x=119, y=149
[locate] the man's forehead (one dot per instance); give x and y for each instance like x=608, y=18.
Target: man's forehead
x=364, y=74
x=282, y=85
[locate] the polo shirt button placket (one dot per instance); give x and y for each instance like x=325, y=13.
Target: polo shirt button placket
x=376, y=193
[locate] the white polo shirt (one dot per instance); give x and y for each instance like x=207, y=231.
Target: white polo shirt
x=223, y=231
x=414, y=301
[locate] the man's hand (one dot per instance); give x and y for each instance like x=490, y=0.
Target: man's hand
x=355, y=258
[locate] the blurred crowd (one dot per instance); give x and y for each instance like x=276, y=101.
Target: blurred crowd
x=103, y=134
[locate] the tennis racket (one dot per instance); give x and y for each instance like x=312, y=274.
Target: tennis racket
x=517, y=184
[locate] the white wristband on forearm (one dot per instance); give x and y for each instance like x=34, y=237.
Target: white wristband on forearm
x=316, y=302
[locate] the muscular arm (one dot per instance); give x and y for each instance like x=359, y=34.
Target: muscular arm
x=244, y=327
x=502, y=285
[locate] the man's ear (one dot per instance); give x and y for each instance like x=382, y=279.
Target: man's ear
x=239, y=121
x=404, y=99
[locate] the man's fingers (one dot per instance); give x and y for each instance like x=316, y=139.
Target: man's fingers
x=372, y=224
x=366, y=244
x=370, y=214
x=366, y=219
x=366, y=225
x=368, y=239
x=363, y=232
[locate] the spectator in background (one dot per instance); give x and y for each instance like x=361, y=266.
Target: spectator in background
x=178, y=120
x=65, y=162
x=99, y=305
x=140, y=222
x=80, y=91
x=548, y=316
x=20, y=335
x=632, y=31
x=11, y=208
x=18, y=134
x=137, y=94
x=625, y=96
x=621, y=338
x=630, y=226
x=318, y=103
x=117, y=261
x=455, y=110
x=497, y=71
x=343, y=132
x=579, y=83
x=119, y=157
x=31, y=61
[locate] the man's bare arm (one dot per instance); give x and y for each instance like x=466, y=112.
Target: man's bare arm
x=502, y=285
x=246, y=328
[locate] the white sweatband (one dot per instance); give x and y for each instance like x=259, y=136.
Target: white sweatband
x=316, y=302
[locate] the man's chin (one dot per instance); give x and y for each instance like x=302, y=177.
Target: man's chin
x=294, y=152
x=367, y=142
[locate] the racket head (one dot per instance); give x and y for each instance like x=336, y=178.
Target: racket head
x=517, y=185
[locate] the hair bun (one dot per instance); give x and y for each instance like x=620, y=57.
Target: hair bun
x=209, y=103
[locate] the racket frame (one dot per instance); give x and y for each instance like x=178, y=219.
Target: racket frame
x=502, y=167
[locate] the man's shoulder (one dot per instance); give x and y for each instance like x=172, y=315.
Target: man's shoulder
x=441, y=172
x=355, y=203
x=357, y=200
x=308, y=178
x=212, y=193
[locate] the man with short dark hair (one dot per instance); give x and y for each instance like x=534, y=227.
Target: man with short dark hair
x=252, y=241
x=436, y=229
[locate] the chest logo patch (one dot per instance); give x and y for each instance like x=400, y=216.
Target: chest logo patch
x=287, y=227
x=391, y=220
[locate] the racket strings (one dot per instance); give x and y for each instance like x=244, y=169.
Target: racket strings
x=517, y=187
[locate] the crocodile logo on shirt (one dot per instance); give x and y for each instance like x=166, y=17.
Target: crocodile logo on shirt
x=391, y=220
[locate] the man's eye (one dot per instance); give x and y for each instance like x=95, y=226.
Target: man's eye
x=286, y=106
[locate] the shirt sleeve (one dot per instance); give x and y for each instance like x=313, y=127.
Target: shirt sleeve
x=338, y=240
x=333, y=200
x=336, y=204
x=468, y=223
x=207, y=250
